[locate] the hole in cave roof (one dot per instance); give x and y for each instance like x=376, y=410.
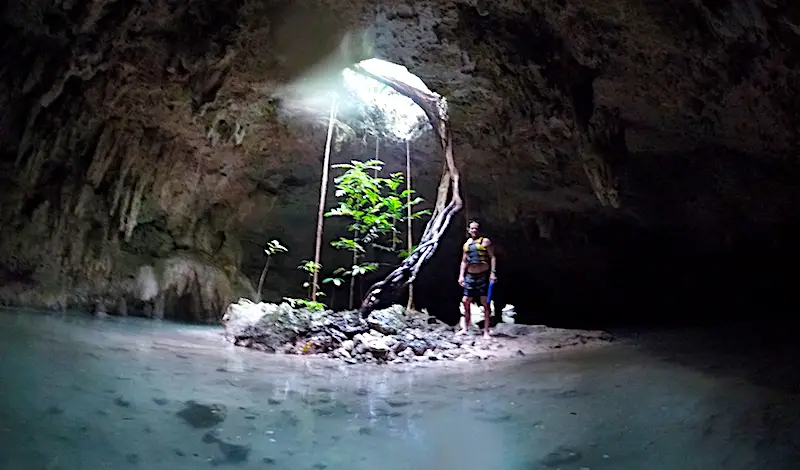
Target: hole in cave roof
x=365, y=105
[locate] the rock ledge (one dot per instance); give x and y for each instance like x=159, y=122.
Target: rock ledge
x=391, y=335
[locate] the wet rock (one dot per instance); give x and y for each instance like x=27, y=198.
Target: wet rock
x=418, y=346
x=494, y=416
x=561, y=456
x=202, y=416
x=234, y=453
x=398, y=402
x=270, y=325
x=392, y=335
x=387, y=321
x=316, y=399
x=567, y=394
x=407, y=353
x=121, y=402
x=325, y=411
x=373, y=346
x=288, y=418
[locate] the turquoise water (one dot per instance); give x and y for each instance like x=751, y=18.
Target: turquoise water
x=84, y=393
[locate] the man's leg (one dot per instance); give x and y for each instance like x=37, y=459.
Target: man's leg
x=465, y=301
x=487, y=315
x=467, y=311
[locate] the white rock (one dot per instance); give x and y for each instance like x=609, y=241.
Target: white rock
x=342, y=352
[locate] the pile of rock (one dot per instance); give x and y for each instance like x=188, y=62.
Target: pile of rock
x=390, y=335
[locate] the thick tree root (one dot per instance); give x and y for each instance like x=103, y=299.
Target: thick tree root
x=435, y=108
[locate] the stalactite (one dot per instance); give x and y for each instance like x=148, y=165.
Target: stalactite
x=28, y=136
x=57, y=237
x=602, y=181
x=123, y=209
x=103, y=155
x=136, y=203
x=133, y=212
x=85, y=195
x=56, y=90
x=119, y=188
x=45, y=150
x=35, y=74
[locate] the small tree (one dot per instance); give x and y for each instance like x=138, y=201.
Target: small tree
x=311, y=269
x=274, y=247
x=374, y=207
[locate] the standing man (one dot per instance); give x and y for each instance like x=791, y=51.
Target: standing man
x=478, y=268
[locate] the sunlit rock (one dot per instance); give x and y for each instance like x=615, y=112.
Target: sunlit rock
x=389, y=335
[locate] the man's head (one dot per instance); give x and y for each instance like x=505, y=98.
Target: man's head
x=474, y=229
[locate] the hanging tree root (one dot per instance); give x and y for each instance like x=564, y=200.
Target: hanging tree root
x=435, y=108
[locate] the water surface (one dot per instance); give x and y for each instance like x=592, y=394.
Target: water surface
x=84, y=393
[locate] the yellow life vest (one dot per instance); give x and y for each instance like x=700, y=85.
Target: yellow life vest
x=476, y=252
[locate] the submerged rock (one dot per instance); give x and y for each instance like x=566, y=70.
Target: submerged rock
x=202, y=416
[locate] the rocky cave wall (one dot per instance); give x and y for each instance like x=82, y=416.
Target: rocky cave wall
x=617, y=152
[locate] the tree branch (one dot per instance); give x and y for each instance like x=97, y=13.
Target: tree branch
x=435, y=108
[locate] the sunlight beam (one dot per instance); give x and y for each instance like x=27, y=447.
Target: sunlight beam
x=402, y=116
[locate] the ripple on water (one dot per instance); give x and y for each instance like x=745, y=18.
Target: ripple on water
x=178, y=398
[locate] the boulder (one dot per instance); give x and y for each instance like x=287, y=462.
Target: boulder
x=387, y=321
x=372, y=344
x=270, y=325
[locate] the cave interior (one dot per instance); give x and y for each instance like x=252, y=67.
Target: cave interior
x=633, y=162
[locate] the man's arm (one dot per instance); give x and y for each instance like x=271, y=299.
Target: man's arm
x=463, y=268
x=492, y=258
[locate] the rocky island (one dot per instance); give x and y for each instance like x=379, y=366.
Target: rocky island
x=394, y=335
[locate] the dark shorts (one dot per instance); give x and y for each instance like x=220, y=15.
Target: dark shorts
x=476, y=285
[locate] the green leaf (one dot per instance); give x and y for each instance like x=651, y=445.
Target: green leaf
x=273, y=247
x=348, y=244
x=419, y=214
x=309, y=267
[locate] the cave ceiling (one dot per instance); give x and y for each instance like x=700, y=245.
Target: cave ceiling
x=174, y=116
